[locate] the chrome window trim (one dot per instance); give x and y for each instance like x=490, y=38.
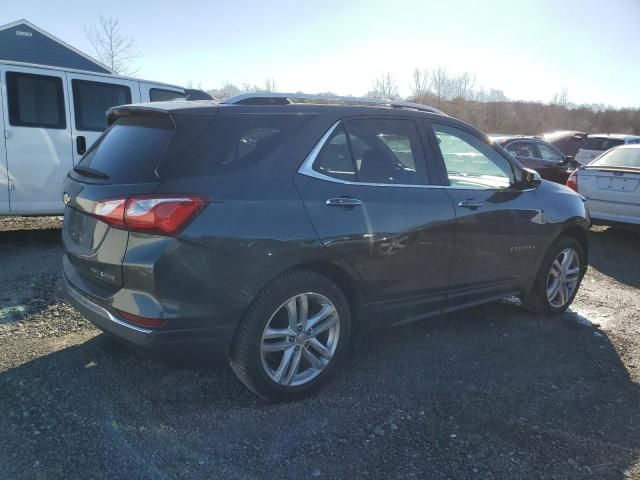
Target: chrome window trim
x=307, y=169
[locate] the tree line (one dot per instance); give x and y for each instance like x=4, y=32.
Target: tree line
x=455, y=94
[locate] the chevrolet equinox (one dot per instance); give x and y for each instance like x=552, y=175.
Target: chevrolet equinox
x=269, y=230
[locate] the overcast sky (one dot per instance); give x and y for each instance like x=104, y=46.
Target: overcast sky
x=530, y=49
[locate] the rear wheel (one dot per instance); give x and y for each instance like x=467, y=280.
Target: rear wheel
x=558, y=279
x=292, y=337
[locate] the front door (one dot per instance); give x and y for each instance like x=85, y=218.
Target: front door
x=368, y=196
x=37, y=138
x=92, y=97
x=497, y=233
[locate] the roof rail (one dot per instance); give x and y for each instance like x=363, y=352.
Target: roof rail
x=268, y=98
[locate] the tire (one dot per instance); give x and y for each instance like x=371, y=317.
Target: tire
x=260, y=369
x=537, y=300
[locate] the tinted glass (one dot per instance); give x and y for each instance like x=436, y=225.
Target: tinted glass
x=232, y=142
x=35, y=101
x=91, y=100
x=523, y=149
x=335, y=158
x=620, y=157
x=386, y=151
x=601, y=143
x=470, y=162
x=130, y=150
x=160, y=95
x=549, y=154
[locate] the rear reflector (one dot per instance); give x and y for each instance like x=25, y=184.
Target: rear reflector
x=572, y=181
x=142, y=321
x=161, y=214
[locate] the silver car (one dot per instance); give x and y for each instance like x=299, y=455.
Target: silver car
x=611, y=185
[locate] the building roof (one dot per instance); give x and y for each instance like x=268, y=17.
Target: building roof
x=23, y=42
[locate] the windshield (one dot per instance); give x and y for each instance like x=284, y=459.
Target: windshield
x=620, y=157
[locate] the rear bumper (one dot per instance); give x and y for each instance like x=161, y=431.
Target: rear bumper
x=205, y=346
x=615, y=212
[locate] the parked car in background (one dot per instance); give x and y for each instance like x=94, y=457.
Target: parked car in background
x=611, y=185
x=567, y=141
x=540, y=156
x=595, y=144
x=266, y=231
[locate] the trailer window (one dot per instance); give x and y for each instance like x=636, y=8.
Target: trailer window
x=35, y=101
x=91, y=100
x=161, y=95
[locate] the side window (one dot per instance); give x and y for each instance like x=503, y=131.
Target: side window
x=91, y=100
x=470, y=162
x=335, y=160
x=161, y=95
x=523, y=149
x=549, y=154
x=384, y=151
x=35, y=101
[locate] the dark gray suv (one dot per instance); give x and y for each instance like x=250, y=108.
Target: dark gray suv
x=270, y=230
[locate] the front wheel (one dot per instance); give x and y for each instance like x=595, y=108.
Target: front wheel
x=292, y=337
x=558, y=279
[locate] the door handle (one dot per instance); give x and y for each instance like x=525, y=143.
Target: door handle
x=344, y=202
x=470, y=203
x=81, y=145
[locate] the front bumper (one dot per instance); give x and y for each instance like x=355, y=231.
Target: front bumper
x=205, y=346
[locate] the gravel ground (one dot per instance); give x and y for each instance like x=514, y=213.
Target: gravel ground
x=491, y=392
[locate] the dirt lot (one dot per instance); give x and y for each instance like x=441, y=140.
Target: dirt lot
x=492, y=392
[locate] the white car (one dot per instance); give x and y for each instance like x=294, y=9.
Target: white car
x=611, y=185
x=595, y=144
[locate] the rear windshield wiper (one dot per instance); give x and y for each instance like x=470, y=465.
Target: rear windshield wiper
x=90, y=172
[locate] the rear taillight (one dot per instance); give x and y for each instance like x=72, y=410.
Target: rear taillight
x=572, y=181
x=161, y=214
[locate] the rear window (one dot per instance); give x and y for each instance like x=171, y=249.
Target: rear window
x=620, y=157
x=130, y=149
x=601, y=143
x=232, y=142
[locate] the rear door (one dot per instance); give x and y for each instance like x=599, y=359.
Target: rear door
x=92, y=96
x=4, y=173
x=37, y=133
x=497, y=232
x=150, y=92
x=367, y=192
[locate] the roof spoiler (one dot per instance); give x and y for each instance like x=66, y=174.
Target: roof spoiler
x=121, y=111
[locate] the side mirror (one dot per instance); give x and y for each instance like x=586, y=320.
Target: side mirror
x=530, y=178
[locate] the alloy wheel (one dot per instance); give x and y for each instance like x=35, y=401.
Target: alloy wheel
x=563, y=278
x=300, y=339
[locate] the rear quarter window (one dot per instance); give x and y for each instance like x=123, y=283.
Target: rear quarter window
x=232, y=142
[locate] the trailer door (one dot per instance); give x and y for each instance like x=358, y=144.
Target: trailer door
x=37, y=140
x=92, y=96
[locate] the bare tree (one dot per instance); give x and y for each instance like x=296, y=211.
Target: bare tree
x=112, y=47
x=270, y=85
x=420, y=83
x=561, y=98
x=384, y=87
